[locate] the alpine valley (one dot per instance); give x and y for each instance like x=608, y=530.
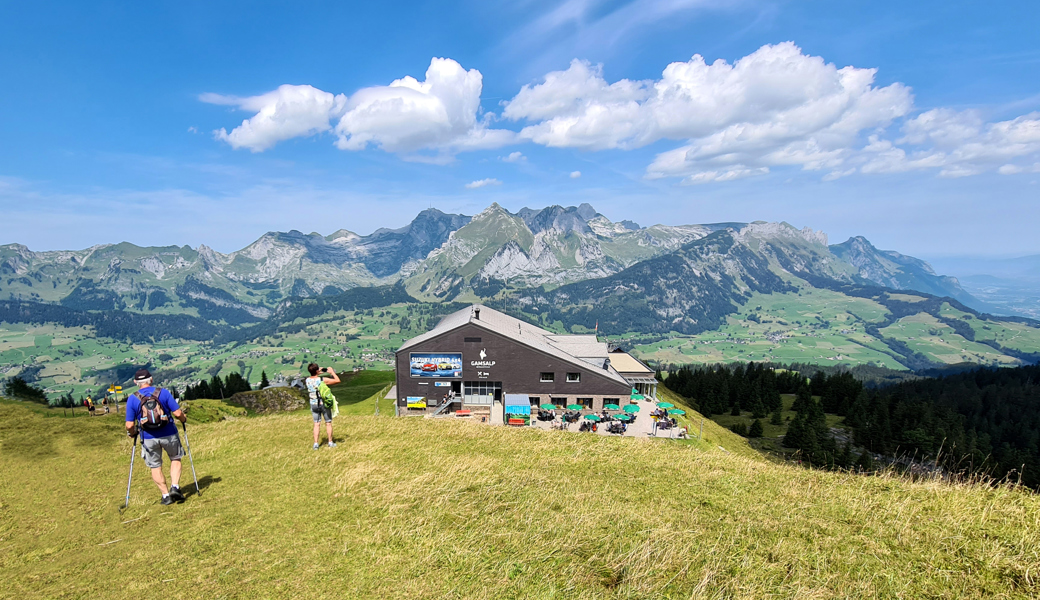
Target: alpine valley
x=77, y=320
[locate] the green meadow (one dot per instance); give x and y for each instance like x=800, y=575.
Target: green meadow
x=812, y=326
x=823, y=327
x=73, y=360
x=442, y=508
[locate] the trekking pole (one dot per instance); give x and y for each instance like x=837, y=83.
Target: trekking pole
x=187, y=447
x=133, y=454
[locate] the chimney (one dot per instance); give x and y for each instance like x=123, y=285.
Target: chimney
x=476, y=313
x=606, y=364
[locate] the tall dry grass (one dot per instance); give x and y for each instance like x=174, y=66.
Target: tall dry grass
x=408, y=508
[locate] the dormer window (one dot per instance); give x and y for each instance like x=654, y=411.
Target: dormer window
x=573, y=377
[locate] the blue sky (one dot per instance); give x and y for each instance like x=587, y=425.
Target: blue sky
x=913, y=124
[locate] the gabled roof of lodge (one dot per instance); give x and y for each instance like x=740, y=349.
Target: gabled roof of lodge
x=581, y=350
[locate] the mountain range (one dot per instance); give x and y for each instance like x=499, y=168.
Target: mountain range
x=531, y=256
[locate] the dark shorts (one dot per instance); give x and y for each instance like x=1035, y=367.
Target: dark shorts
x=319, y=412
x=152, y=449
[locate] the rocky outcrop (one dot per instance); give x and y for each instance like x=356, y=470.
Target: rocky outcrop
x=271, y=400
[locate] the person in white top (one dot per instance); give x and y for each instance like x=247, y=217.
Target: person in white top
x=318, y=409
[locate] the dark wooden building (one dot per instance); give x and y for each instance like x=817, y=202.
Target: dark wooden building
x=475, y=356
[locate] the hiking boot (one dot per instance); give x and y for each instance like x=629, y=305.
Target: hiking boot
x=315, y=446
x=176, y=494
x=332, y=444
x=166, y=500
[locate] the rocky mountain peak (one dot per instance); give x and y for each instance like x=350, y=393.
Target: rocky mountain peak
x=764, y=230
x=342, y=236
x=559, y=218
x=495, y=209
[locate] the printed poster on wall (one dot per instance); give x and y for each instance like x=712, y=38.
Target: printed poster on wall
x=436, y=364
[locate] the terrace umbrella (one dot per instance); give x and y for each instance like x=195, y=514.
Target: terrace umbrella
x=625, y=417
x=611, y=407
x=592, y=417
x=632, y=408
x=574, y=407
x=665, y=405
x=676, y=411
x=548, y=407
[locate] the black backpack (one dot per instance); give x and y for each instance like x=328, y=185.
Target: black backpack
x=153, y=415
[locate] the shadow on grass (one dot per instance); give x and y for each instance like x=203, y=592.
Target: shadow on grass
x=204, y=483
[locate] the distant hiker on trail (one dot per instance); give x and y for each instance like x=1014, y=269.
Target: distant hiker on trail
x=319, y=409
x=150, y=411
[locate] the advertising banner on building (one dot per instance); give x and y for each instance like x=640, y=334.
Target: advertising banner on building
x=436, y=364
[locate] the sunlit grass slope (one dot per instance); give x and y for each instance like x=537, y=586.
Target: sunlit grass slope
x=413, y=508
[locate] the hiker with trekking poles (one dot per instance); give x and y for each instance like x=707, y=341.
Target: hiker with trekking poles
x=150, y=412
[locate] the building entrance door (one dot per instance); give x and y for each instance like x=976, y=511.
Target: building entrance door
x=481, y=392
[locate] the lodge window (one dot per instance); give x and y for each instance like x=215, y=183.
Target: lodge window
x=573, y=377
x=481, y=392
x=534, y=400
x=586, y=402
x=548, y=377
x=611, y=401
x=558, y=401
x=473, y=339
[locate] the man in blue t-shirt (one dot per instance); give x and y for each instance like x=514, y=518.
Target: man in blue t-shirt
x=157, y=436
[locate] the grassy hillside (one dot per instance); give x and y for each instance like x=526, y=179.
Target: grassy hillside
x=826, y=327
x=813, y=326
x=73, y=360
x=442, y=508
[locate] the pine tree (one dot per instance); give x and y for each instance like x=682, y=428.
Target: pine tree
x=235, y=383
x=263, y=380
x=844, y=459
x=865, y=461
x=216, y=387
x=795, y=433
x=777, y=418
x=16, y=387
x=756, y=430
x=802, y=399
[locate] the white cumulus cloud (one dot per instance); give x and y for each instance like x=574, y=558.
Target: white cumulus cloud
x=482, y=183
x=575, y=174
x=408, y=115
x=285, y=113
x=774, y=107
x=958, y=144
x=440, y=114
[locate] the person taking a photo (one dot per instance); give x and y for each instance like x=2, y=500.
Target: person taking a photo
x=318, y=409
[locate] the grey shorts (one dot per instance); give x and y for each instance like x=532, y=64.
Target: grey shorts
x=319, y=412
x=151, y=450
